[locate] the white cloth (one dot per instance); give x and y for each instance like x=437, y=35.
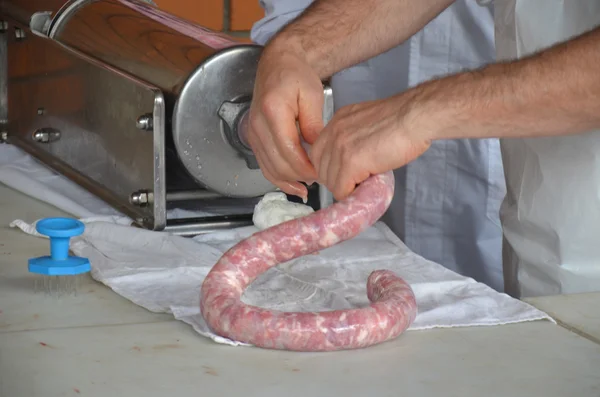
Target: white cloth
x=163, y=273
x=551, y=215
x=446, y=205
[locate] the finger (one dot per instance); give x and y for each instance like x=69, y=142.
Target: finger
x=316, y=150
x=260, y=150
x=291, y=188
x=263, y=146
x=264, y=168
x=324, y=165
x=264, y=163
x=319, y=154
x=347, y=180
x=281, y=168
x=295, y=189
x=257, y=126
x=310, y=113
x=282, y=121
x=335, y=164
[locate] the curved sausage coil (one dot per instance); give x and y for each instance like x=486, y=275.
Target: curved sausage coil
x=392, y=310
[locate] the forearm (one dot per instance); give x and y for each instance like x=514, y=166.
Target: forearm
x=333, y=35
x=555, y=92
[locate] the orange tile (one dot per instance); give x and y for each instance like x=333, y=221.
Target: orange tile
x=208, y=13
x=244, y=13
x=244, y=39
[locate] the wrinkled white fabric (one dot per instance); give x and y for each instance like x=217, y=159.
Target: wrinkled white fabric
x=164, y=273
x=446, y=205
x=551, y=215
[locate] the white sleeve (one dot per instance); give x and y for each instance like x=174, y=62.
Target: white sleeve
x=277, y=14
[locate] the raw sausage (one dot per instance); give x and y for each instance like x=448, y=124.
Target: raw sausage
x=393, y=307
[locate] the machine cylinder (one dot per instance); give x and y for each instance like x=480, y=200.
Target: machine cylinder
x=197, y=70
x=139, y=39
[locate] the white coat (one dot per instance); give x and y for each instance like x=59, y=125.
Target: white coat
x=551, y=215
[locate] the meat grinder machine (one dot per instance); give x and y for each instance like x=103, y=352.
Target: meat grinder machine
x=143, y=109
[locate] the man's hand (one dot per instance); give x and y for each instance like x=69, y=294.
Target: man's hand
x=286, y=90
x=367, y=139
x=329, y=36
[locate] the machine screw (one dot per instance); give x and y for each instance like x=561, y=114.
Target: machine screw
x=141, y=198
x=19, y=34
x=46, y=135
x=145, y=122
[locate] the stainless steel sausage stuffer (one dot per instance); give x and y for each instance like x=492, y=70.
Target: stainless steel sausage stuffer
x=141, y=108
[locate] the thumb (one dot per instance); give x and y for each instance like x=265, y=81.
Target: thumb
x=310, y=114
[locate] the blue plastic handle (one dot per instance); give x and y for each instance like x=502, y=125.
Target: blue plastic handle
x=60, y=231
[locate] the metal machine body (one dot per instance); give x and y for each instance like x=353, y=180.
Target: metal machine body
x=141, y=108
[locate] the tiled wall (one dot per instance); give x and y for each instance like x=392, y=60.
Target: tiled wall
x=231, y=16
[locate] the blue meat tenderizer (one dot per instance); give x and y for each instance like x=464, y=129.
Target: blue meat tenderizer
x=60, y=272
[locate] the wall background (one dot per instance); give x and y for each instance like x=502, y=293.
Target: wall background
x=234, y=17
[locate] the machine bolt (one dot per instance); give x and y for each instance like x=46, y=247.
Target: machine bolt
x=141, y=198
x=145, y=122
x=19, y=34
x=46, y=135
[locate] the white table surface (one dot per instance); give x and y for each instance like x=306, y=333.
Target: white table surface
x=578, y=312
x=99, y=344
